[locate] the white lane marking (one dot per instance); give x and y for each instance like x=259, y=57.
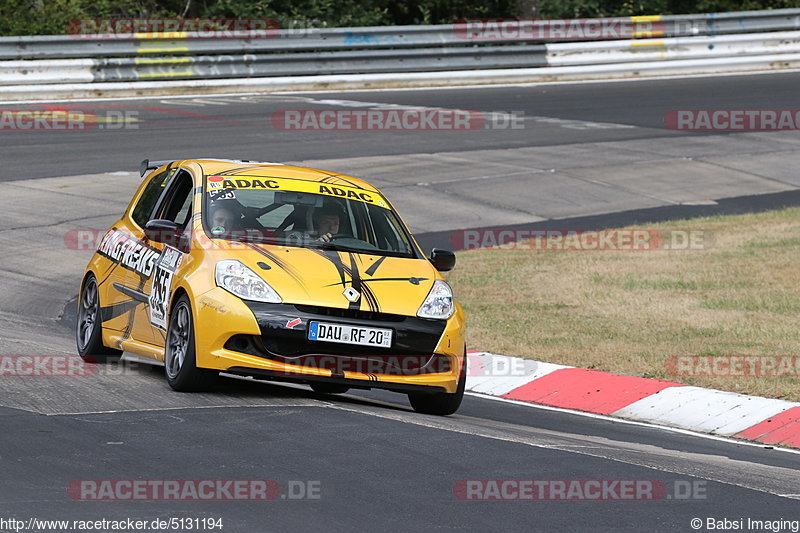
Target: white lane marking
x=479, y=178
x=645, y=456
x=474, y=394
x=579, y=124
x=491, y=115
x=190, y=407
x=437, y=88
x=246, y=97
x=379, y=105
x=563, y=123
x=724, y=470
x=549, y=83
x=635, y=423
x=210, y=101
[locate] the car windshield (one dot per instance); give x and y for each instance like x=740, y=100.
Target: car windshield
x=319, y=215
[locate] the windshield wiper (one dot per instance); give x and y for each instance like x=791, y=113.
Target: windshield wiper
x=338, y=247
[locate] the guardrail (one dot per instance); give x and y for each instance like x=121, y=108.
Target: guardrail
x=387, y=56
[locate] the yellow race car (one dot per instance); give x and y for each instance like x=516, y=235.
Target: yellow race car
x=276, y=272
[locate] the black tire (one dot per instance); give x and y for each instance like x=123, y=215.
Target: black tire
x=441, y=403
x=88, y=326
x=180, y=363
x=328, y=388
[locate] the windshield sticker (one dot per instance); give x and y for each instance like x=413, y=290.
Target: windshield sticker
x=224, y=194
x=314, y=187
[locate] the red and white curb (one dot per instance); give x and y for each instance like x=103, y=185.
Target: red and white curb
x=643, y=399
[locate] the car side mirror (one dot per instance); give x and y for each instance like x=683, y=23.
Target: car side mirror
x=160, y=230
x=442, y=260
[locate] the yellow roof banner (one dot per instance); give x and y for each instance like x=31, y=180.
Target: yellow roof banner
x=293, y=185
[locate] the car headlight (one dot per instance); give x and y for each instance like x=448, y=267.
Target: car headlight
x=237, y=279
x=439, y=303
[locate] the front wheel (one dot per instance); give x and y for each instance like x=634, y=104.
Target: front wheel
x=88, y=329
x=441, y=403
x=180, y=363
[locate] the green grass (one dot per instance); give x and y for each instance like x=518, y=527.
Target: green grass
x=629, y=311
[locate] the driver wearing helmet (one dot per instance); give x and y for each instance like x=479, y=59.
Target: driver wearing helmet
x=224, y=217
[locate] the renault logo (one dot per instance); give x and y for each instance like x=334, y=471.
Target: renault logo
x=351, y=294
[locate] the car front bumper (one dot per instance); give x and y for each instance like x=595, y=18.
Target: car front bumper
x=269, y=341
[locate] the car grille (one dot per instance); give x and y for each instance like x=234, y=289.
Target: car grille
x=338, y=361
x=349, y=313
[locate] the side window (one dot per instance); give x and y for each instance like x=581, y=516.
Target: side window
x=185, y=212
x=152, y=192
x=177, y=205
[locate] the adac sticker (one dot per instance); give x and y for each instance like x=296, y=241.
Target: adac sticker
x=283, y=184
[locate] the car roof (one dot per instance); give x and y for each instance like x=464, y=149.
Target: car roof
x=277, y=170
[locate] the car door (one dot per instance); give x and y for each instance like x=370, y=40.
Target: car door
x=129, y=255
x=175, y=205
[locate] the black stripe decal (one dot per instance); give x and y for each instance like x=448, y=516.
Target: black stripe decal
x=364, y=289
x=372, y=269
x=238, y=171
x=334, y=258
x=350, y=183
x=340, y=178
x=356, y=281
x=280, y=263
x=413, y=281
x=108, y=273
x=133, y=293
x=113, y=311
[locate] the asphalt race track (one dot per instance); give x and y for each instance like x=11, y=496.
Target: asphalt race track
x=365, y=460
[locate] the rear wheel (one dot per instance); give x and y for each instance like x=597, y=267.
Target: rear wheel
x=88, y=329
x=328, y=388
x=441, y=403
x=180, y=363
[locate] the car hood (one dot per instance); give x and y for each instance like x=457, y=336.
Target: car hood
x=320, y=277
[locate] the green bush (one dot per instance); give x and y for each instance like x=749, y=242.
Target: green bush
x=52, y=17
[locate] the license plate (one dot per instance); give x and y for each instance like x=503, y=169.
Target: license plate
x=325, y=331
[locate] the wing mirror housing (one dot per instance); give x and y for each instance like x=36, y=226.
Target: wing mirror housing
x=164, y=231
x=442, y=260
